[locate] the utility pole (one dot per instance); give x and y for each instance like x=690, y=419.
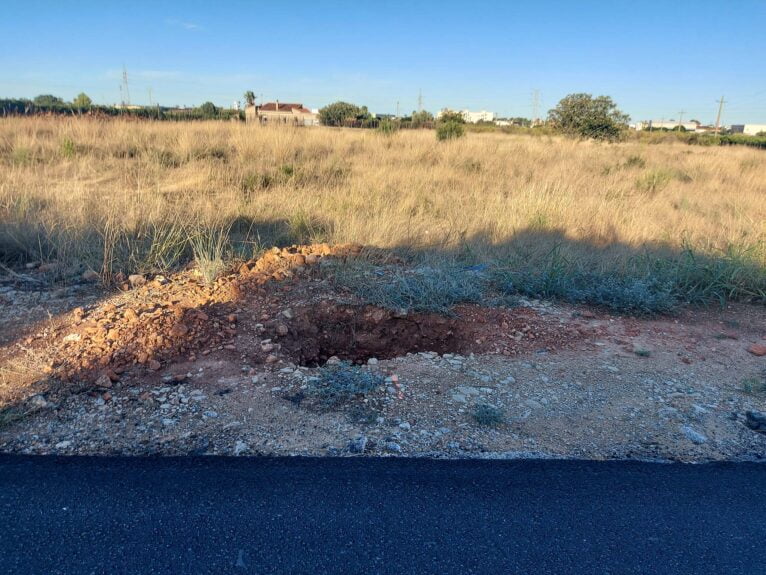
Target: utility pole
x=397, y=109
x=680, y=119
x=150, y=96
x=721, y=102
x=420, y=100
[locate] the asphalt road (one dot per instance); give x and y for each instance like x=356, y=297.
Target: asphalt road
x=316, y=516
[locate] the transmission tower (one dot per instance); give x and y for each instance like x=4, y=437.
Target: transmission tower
x=420, y=100
x=535, y=106
x=125, y=90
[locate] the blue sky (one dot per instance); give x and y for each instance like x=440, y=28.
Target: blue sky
x=653, y=58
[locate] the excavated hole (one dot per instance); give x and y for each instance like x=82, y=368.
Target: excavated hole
x=357, y=334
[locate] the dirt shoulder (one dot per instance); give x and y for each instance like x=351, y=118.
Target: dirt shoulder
x=171, y=366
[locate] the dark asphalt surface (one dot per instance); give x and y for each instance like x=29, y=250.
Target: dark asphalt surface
x=316, y=516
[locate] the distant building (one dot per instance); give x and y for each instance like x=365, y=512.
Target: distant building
x=748, y=129
x=281, y=114
x=470, y=117
x=666, y=125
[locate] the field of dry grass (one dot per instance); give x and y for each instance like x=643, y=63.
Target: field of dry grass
x=130, y=196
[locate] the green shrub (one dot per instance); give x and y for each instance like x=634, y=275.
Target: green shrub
x=338, y=384
x=450, y=130
x=488, y=415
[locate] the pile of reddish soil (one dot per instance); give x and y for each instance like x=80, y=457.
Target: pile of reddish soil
x=273, y=310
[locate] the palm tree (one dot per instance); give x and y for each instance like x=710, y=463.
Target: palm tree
x=250, y=98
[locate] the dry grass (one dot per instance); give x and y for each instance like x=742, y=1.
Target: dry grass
x=122, y=195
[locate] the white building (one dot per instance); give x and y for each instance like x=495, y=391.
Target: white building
x=749, y=129
x=470, y=117
x=666, y=125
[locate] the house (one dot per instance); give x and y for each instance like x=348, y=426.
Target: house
x=748, y=129
x=281, y=114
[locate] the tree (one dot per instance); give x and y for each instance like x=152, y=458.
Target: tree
x=341, y=113
x=451, y=116
x=209, y=110
x=47, y=100
x=250, y=98
x=82, y=101
x=421, y=118
x=588, y=117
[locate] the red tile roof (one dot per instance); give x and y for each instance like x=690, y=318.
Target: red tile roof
x=283, y=107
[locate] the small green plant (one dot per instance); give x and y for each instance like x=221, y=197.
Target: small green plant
x=642, y=352
x=287, y=170
x=209, y=246
x=654, y=181
x=755, y=385
x=449, y=130
x=68, y=148
x=424, y=289
x=488, y=415
x=387, y=127
x=338, y=384
x=635, y=162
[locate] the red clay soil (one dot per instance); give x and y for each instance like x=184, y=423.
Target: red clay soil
x=274, y=310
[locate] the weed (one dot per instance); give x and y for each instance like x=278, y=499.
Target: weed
x=654, y=181
x=68, y=148
x=488, y=415
x=209, y=247
x=423, y=289
x=635, y=162
x=755, y=385
x=642, y=352
x=338, y=384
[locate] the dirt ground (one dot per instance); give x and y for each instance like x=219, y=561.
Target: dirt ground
x=172, y=366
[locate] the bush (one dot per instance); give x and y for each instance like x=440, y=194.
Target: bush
x=338, y=384
x=435, y=290
x=387, y=127
x=488, y=415
x=449, y=130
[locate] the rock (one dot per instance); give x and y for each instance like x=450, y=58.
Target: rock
x=104, y=381
x=405, y=426
x=372, y=361
x=531, y=403
x=90, y=276
x=358, y=445
x=63, y=444
x=211, y=414
x=168, y=422
x=288, y=313
x=282, y=330
x=154, y=365
x=509, y=380
x=240, y=447
x=136, y=280
x=757, y=349
x=459, y=398
x=393, y=447
x=756, y=420
x=693, y=435
x=72, y=337
x=271, y=358
x=39, y=402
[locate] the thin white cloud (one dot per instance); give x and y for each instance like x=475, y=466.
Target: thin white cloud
x=191, y=26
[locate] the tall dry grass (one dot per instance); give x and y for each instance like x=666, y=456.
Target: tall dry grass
x=113, y=195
